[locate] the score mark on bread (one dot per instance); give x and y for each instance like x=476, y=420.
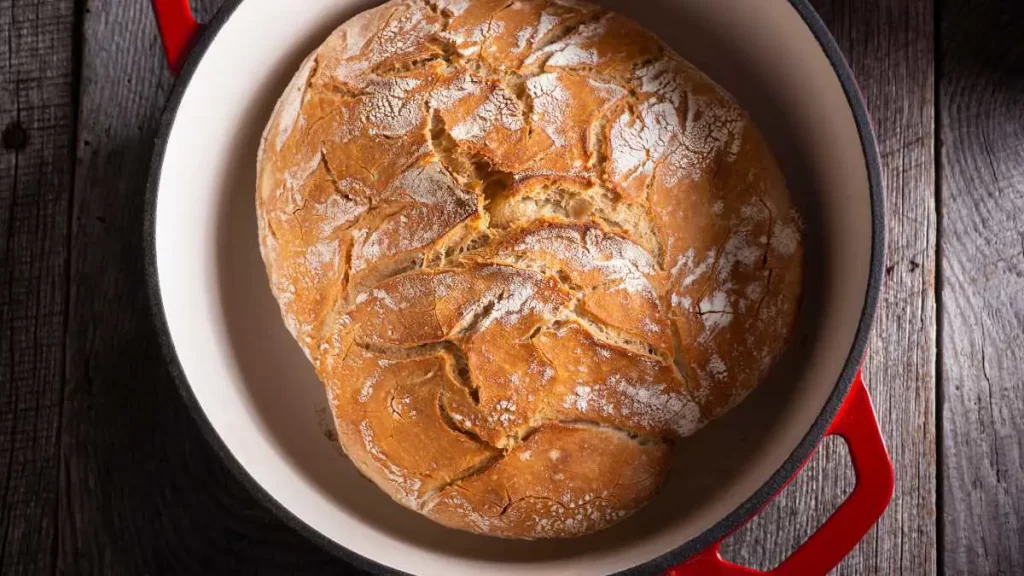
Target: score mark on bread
x=526, y=247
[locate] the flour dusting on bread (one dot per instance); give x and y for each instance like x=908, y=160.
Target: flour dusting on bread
x=527, y=248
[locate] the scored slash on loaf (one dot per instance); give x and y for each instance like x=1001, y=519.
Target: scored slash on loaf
x=526, y=247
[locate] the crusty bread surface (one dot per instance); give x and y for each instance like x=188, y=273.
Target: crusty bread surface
x=526, y=247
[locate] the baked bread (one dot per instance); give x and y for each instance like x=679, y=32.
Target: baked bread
x=526, y=246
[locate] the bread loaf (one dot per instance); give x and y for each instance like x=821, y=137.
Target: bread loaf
x=526, y=247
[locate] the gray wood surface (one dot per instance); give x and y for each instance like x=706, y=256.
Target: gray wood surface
x=103, y=470
x=982, y=281
x=889, y=47
x=142, y=491
x=36, y=164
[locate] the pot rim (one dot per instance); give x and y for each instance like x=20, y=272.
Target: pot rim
x=723, y=527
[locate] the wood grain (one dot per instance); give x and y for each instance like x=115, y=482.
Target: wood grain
x=890, y=47
x=142, y=491
x=982, y=319
x=102, y=469
x=36, y=164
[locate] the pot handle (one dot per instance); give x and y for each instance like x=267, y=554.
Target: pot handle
x=856, y=423
x=178, y=29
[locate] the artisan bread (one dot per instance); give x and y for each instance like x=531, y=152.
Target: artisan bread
x=526, y=247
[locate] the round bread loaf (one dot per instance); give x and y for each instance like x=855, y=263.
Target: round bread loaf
x=526, y=246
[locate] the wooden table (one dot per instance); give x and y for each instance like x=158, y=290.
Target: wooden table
x=103, y=471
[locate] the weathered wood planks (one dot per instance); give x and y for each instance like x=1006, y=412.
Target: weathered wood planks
x=890, y=48
x=982, y=283
x=37, y=127
x=142, y=491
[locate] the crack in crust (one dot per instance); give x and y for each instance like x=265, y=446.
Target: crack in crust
x=477, y=469
x=508, y=202
x=606, y=334
x=450, y=422
x=557, y=35
x=449, y=349
x=634, y=435
x=488, y=463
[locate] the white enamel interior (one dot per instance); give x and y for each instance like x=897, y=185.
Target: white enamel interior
x=262, y=398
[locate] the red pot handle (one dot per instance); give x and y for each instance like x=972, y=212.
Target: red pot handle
x=855, y=423
x=178, y=29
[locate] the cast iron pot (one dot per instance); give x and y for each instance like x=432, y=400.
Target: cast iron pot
x=261, y=405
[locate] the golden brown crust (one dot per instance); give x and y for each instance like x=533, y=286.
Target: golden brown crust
x=525, y=246
x=565, y=479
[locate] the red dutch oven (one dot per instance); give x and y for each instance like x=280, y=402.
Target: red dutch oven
x=263, y=408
